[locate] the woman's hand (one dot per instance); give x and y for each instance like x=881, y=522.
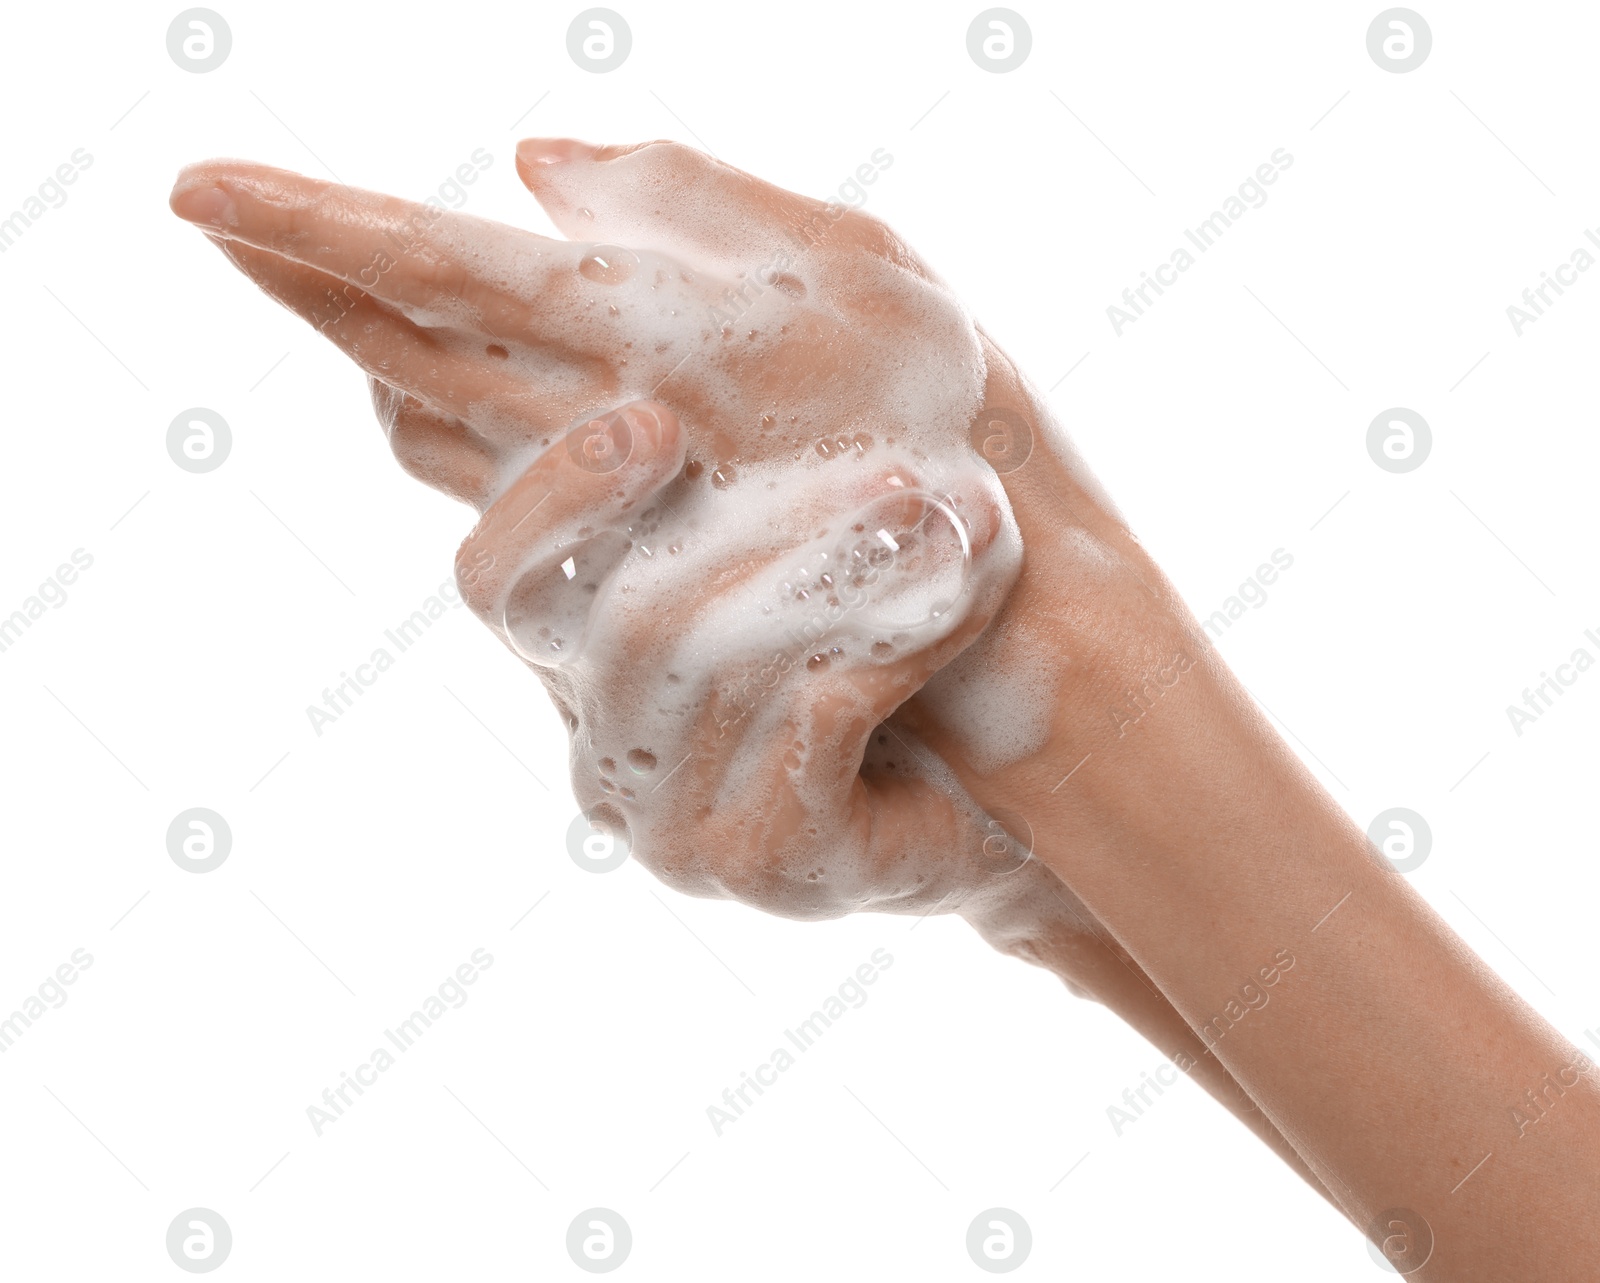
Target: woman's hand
x=722, y=413
x=687, y=454
x=731, y=513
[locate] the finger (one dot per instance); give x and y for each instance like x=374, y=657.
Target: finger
x=735, y=583
x=883, y=583
x=441, y=265
x=510, y=397
x=932, y=577
x=774, y=793
x=533, y=565
x=436, y=448
x=740, y=602
x=668, y=197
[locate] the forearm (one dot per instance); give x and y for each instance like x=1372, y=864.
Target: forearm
x=1384, y=1049
x=1055, y=932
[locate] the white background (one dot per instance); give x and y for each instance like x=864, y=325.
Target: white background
x=372, y=860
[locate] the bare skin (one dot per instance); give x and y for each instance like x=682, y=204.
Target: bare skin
x=508, y=381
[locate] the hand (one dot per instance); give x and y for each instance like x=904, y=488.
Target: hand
x=731, y=548
x=617, y=416
x=536, y=379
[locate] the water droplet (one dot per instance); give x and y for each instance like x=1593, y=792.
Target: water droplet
x=724, y=476
x=495, y=350
x=608, y=264
x=641, y=762
x=817, y=663
x=882, y=650
x=606, y=786
x=627, y=794
x=586, y=213
x=608, y=765
x=767, y=420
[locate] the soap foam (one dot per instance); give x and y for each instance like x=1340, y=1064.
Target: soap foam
x=831, y=520
x=1004, y=712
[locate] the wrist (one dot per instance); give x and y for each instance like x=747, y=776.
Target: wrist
x=1029, y=914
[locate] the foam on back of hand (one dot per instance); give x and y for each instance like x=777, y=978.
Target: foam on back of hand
x=831, y=519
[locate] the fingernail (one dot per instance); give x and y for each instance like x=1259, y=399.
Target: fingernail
x=205, y=205
x=553, y=151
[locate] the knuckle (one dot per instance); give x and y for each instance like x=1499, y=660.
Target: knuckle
x=386, y=401
x=410, y=435
x=662, y=151
x=475, y=579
